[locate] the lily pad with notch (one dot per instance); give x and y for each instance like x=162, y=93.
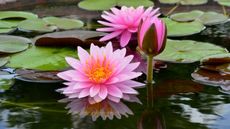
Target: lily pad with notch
x=64, y=23
x=42, y=58
x=107, y=4
x=70, y=38
x=13, y=44
x=178, y=29
x=188, y=51
x=36, y=25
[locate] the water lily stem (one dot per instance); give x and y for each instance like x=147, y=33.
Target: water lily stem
x=150, y=69
x=224, y=10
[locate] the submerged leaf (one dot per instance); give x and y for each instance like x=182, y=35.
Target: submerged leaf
x=38, y=76
x=188, y=51
x=42, y=58
x=6, y=81
x=64, y=23
x=177, y=29
x=69, y=38
x=13, y=44
x=107, y=4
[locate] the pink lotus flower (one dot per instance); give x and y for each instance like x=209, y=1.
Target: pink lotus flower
x=102, y=74
x=124, y=22
x=105, y=109
x=152, y=36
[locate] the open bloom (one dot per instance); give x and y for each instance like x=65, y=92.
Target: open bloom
x=124, y=22
x=104, y=109
x=102, y=74
x=152, y=35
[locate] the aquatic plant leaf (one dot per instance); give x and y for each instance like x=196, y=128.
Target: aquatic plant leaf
x=208, y=77
x=42, y=58
x=188, y=51
x=207, y=18
x=64, y=23
x=223, y=2
x=37, y=76
x=13, y=44
x=187, y=16
x=6, y=81
x=178, y=29
x=17, y=15
x=6, y=24
x=36, y=25
x=184, y=2
x=3, y=61
x=7, y=31
x=70, y=38
x=212, y=18
x=107, y=4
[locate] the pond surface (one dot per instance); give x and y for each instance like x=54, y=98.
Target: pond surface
x=178, y=102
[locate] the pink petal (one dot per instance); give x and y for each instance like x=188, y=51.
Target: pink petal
x=83, y=55
x=110, y=36
x=74, y=63
x=114, y=91
x=114, y=99
x=103, y=92
x=94, y=90
x=84, y=93
x=125, y=37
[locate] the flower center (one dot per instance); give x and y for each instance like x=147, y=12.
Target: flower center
x=99, y=72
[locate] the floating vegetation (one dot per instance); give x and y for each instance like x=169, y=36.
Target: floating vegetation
x=184, y=2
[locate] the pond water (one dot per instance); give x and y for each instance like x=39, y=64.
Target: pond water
x=178, y=102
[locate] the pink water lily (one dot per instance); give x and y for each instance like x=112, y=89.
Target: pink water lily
x=152, y=34
x=124, y=22
x=101, y=74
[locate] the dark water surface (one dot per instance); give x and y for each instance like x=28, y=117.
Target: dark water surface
x=178, y=103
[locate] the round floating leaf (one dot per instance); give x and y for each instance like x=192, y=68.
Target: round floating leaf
x=177, y=29
x=184, y=2
x=211, y=78
x=42, y=58
x=224, y=2
x=207, y=18
x=13, y=44
x=70, y=38
x=17, y=15
x=212, y=18
x=37, y=76
x=7, y=31
x=107, y=4
x=64, y=23
x=36, y=25
x=186, y=16
x=188, y=51
x=3, y=61
x=6, y=24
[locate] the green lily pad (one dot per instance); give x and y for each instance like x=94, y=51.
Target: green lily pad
x=187, y=16
x=223, y=2
x=188, y=51
x=7, y=31
x=64, y=23
x=17, y=15
x=36, y=25
x=177, y=29
x=13, y=44
x=42, y=58
x=107, y=4
x=3, y=61
x=184, y=2
x=6, y=24
x=213, y=18
x=207, y=18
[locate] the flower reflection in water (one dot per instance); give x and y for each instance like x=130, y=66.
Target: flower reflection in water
x=104, y=109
